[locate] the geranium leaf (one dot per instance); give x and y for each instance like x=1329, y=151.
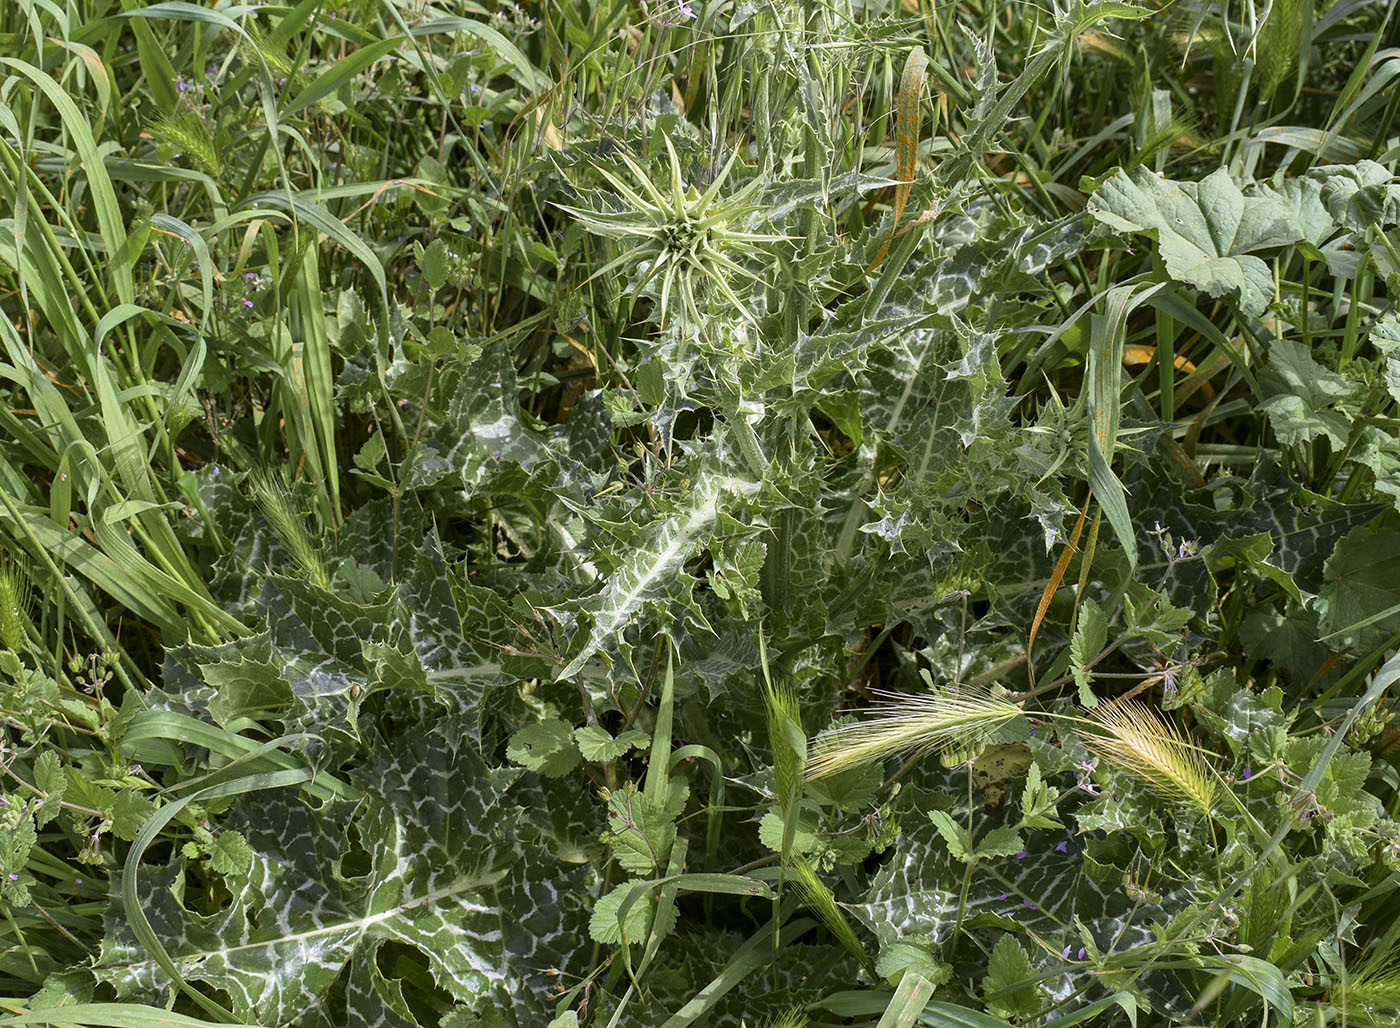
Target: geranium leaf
x=1207, y=231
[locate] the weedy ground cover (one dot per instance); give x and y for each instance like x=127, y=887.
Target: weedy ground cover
x=791, y=512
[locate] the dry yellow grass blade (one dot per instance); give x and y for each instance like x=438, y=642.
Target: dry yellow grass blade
x=1061, y=566
x=907, y=116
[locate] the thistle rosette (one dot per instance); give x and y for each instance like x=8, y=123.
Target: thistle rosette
x=681, y=242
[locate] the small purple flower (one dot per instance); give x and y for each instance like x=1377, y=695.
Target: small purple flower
x=180, y=83
x=687, y=11
x=1029, y=904
x=1004, y=895
x=14, y=877
x=1021, y=855
x=214, y=471
x=1081, y=952
x=1065, y=954
x=1247, y=772
x=1062, y=846
x=77, y=881
x=247, y=303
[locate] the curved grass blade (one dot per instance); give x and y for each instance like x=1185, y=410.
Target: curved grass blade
x=140, y=924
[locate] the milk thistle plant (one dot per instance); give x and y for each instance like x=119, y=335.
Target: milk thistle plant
x=652, y=384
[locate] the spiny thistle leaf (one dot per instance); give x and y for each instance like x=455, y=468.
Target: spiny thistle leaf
x=909, y=723
x=1134, y=739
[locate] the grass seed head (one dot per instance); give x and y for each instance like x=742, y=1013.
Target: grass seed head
x=820, y=901
x=793, y=1018
x=16, y=603
x=909, y=723
x=1134, y=739
x=1372, y=995
x=787, y=740
x=274, y=496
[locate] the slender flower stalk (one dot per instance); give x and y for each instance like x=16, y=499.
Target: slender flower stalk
x=910, y=723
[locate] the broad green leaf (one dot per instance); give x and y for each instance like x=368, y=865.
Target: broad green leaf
x=607, y=926
x=1001, y=841
x=545, y=746
x=1362, y=582
x=912, y=959
x=1361, y=195
x=51, y=781
x=1009, y=989
x=1207, y=232
x=595, y=743
x=435, y=859
x=955, y=835
x=1038, y=800
x=641, y=830
x=231, y=854
x=432, y=262
x=1300, y=395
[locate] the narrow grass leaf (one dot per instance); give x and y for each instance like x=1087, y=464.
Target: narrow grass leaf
x=910, y=997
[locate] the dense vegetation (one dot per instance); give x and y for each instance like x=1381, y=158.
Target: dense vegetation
x=727, y=512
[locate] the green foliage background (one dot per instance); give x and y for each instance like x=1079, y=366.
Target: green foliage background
x=455, y=458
